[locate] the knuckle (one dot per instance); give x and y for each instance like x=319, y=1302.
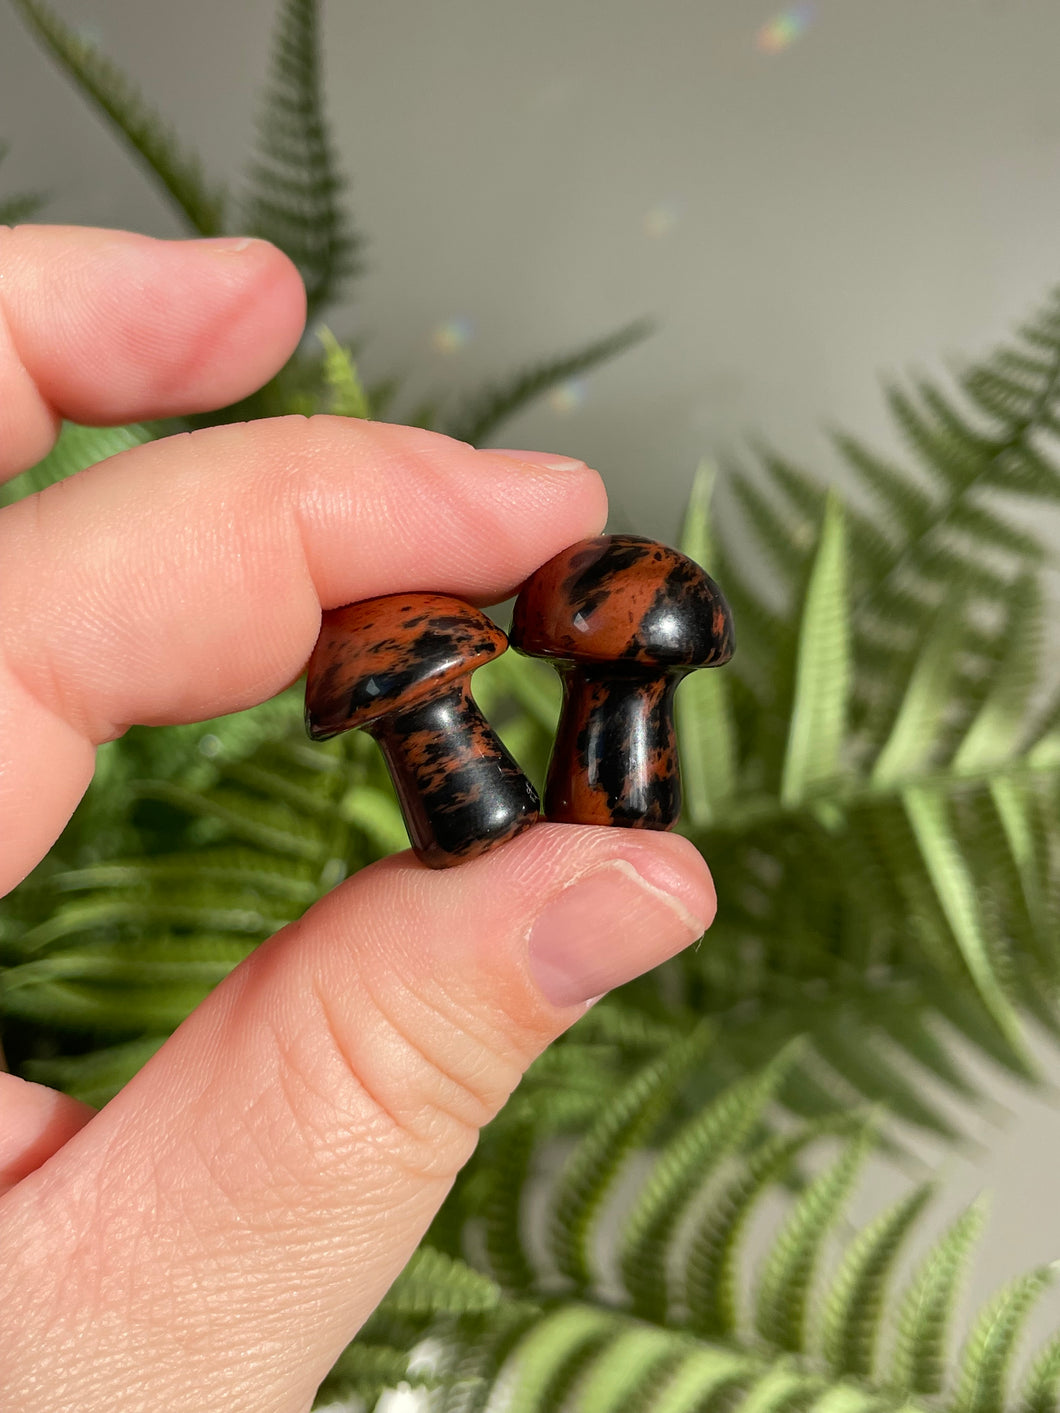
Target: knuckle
x=428, y=1077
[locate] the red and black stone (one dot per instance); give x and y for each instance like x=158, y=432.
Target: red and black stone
x=622, y=619
x=399, y=667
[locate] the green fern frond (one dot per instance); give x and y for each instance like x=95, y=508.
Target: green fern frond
x=784, y=1287
x=873, y=1068
x=95, y=1078
x=706, y=731
x=364, y=1370
x=625, y=1373
x=294, y=189
x=102, y=82
x=16, y=209
x=343, y=382
x=847, y=1398
x=513, y=682
x=901, y=502
x=1041, y=1388
x=552, y=1355
x=598, y=1353
x=501, y=1207
x=253, y=821
x=991, y=1346
x=593, y=1167
x=22, y=207
x=1000, y=726
x=782, y=1389
x=712, y=1274
x=957, y=896
x=926, y=1313
x=975, y=1025
x=613, y=1022
x=807, y=498
x=239, y=872
x=915, y=1033
x=702, y=1375
x=784, y=538
x=81, y=917
x=822, y=676
x=474, y=1366
x=434, y=1283
x=854, y=1309
x=914, y=742
x=149, y=983
x=678, y=1174
x=483, y=415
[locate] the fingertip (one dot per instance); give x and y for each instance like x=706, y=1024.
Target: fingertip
x=604, y=905
x=35, y=1122
x=610, y=903
x=563, y=478
x=265, y=287
x=673, y=864
x=114, y=325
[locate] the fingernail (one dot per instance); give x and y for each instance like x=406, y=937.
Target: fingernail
x=604, y=929
x=538, y=458
x=228, y=245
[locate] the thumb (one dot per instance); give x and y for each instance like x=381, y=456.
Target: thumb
x=216, y=1235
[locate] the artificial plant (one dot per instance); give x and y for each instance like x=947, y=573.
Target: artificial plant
x=874, y=780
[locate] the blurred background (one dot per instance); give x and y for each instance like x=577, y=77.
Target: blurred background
x=805, y=199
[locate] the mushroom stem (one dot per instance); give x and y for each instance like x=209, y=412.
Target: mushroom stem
x=615, y=758
x=460, y=791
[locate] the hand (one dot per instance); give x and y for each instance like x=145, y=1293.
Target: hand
x=215, y=1236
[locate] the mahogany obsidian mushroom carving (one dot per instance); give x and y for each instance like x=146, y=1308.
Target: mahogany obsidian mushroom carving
x=623, y=619
x=400, y=666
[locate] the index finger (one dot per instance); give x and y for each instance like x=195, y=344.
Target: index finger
x=106, y=327
x=184, y=579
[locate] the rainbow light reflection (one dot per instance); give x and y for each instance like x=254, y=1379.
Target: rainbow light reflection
x=453, y=335
x=569, y=396
x=660, y=220
x=784, y=29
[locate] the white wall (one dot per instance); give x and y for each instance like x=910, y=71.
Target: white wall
x=881, y=193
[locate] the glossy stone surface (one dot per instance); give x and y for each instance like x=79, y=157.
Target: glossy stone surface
x=623, y=619
x=399, y=667
x=623, y=598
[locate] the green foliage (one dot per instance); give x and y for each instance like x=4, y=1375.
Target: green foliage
x=102, y=82
x=704, y=707
x=343, y=382
x=21, y=207
x=484, y=413
x=651, y=1343
x=294, y=185
x=883, y=845
x=813, y=757
x=856, y=1301
x=293, y=194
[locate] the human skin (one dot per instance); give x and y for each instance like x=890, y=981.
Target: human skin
x=215, y=1236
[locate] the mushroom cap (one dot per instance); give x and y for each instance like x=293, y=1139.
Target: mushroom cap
x=387, y=654
x=623, y=599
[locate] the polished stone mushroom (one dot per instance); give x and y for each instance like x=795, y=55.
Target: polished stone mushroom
x=622, y=619
x=400, y=667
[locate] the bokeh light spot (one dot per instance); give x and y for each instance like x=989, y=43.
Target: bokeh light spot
x=659, y=220
x=453, y=335
x=569, y=396
x=784, y=29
